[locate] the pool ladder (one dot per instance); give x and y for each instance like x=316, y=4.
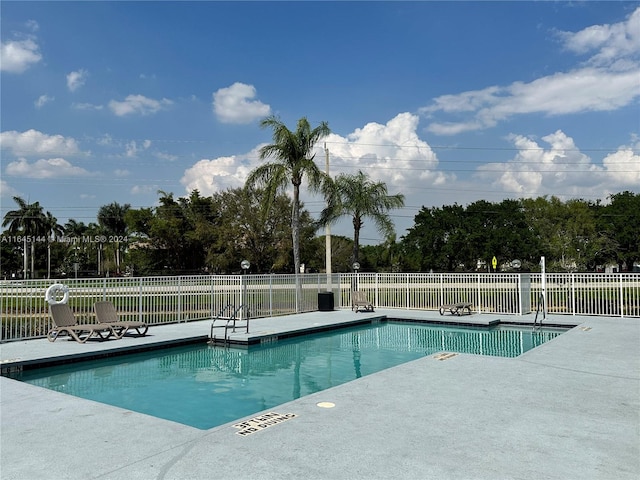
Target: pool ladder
x=538, y=325
x=231, y=322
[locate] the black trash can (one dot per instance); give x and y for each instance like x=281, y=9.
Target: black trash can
x=325, y=301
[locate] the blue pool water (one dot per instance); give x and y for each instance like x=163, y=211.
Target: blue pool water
x=205, y=386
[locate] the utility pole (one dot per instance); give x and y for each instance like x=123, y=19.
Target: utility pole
x=327, y=228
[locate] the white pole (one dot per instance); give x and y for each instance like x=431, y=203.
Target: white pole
x=327, y=230
x=25, y=262
x=544, y=287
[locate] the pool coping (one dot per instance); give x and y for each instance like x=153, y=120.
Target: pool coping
x=567, y=409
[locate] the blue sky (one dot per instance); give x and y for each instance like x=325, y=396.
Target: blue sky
x=446, y=102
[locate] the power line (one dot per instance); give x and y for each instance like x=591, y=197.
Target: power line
x=121, y=143
x=473, y=148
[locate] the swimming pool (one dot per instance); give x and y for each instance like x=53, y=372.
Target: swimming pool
x=205, y=386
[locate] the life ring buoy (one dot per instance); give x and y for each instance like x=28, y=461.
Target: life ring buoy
x=54, y=290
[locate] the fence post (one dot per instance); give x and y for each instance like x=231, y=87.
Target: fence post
x=375, y=295
x=271, y=294
x=212, y=295
x=519, y=312
x=478, y=283
x=573, y=294
x=621, y=296
x=179, y=298
x=140, y=300
x=407, y=291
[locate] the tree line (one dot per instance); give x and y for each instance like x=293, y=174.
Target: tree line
x=200, y=235
x=575, y=235
x=261, y=223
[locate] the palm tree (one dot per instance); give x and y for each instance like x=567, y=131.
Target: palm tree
x=111, y=218
x=74, y=231
x=28, y=221
x=292, y=161
x=358, y=197
x=54, y=229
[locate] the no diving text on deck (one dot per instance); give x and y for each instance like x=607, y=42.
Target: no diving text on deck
x=256, y=424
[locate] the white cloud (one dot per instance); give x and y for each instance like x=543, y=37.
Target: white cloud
x=33, y=142
x=551, y=165
x=133, y=148
x=611, y=43
x=218, y=174
x=609, y=81
x=122, y=172
x=144, y=189
x=76, y=79
x=7, y=190
x=538, y=171
x=18, y=55
x=43, y=100
x=106, y=140
x=623, y=166
x=392, y=152
x=32, y=25
x=586, y=89
x=45, y=168
x=235, y=104
x=86, y=106
x=166, y=156
x=138, y=104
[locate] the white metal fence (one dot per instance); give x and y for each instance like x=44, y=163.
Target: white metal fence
x=499, y=293
x=158, y=300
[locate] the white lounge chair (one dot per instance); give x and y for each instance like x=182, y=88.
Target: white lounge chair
x=359, y=300
x=65, y=323
x=106, y=313
x=461, y=308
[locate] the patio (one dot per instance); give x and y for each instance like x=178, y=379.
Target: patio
x=567, y=409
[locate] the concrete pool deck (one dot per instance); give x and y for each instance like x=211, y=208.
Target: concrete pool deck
x=567, y=409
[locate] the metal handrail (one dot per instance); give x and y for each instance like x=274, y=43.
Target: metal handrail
x=231, y=319
x=537, y=325
x=219, y=317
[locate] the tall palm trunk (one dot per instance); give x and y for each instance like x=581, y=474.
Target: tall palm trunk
x=295, y=227
x=357, y=225
x=295, y=237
